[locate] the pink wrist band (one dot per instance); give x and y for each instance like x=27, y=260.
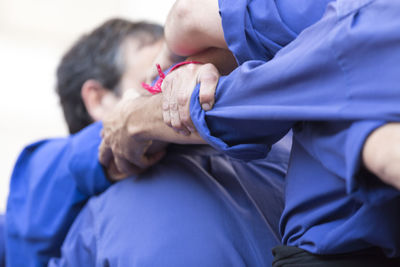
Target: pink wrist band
x=157, y=86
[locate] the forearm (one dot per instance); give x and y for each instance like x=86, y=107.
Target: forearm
x=381, y=154
x=222, y=59
x=193, y=26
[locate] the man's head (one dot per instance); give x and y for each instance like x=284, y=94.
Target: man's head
x=101, y=65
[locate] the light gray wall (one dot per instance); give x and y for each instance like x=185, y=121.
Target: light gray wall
x=33, y=36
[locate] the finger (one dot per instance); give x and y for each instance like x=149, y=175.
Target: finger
x=125, y=167
x=186, y=120
x=173, y=105
x=176, y=120
x=136, y=155
x=150, y=160
x=113, y=173
x=208, y=78
x=183, y=106
x=166, y=89
x=105, y=154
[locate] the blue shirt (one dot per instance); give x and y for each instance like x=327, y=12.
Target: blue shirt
x=193, y=193
x=196, y=207
x=334, y=84
x=266, y=25
x=51, y=181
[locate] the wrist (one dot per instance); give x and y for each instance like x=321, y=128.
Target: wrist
x=145, y=118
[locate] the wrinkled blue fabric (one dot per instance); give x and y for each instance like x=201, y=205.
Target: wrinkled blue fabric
x=196, y=207
x=333, y=84
x=51, y=181
x=192, y=196
x=260, y=28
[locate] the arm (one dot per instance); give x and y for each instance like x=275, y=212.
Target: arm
x=381, y=154
x=145, y=121
x=252, y=29
x=176, y=96
x=263, y=98
x=132, y=133
x=193, y=26
x=135, y=135
x=50, y=183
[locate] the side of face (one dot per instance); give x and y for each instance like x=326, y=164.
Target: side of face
x=136, y=61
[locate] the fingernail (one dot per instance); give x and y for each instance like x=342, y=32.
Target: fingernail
x=206, y=106
x=191, y=129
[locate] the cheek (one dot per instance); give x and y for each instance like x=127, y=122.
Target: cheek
x=109, y=102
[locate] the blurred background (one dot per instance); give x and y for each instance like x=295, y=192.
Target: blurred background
x=33, y=36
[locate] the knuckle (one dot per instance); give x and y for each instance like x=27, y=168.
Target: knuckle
x=165, y=105
x=182, y=99
x=209, y=68
x=166, y=118
x=184, y=114
x=206, y=97
x=173, y=106
x=191, y=67
x=209, y=77
x=176, y=124
x=175, y=121
x=185, y=119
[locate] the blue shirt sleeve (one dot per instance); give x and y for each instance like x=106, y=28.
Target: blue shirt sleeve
x=338, y=148
x=83, y=163
x=257, y=29
x=333, y=71
x=51, y=181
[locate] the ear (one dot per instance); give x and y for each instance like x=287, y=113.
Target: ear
x=92, y=94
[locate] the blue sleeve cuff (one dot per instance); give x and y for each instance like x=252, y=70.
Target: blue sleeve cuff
x=84, y=165
x=359, y=182
x=253, y=29
x=240, y=151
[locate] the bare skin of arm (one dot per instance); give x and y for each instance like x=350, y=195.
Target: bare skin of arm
x=193, y=26
x=381, y=153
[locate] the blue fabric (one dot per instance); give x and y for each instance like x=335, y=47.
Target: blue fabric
x=334, y=84
x=51, y=182
x=265, y=25
x=2, y=241
x=196, y=207
x=333, y=205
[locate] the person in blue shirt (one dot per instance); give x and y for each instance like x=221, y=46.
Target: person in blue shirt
x=194, y=207
x=53, y=179
x=335, y=85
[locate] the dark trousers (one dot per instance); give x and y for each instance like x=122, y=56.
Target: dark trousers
x=285, y=256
